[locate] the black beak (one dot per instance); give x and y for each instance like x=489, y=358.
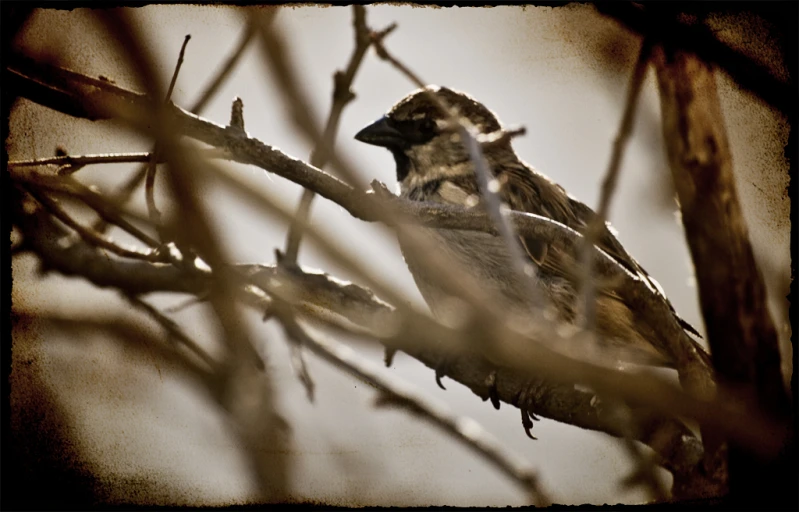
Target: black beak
x=381, y=133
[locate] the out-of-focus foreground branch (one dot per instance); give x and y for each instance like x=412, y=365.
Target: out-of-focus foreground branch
x=741, y=333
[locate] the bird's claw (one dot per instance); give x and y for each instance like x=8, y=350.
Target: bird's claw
x=388, y=356
x=523, y=401
x=491, y=384
x=439, y=375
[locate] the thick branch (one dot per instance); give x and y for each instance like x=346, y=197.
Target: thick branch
x=741, y=333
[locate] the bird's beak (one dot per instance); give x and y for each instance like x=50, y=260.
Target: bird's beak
x=381, y=133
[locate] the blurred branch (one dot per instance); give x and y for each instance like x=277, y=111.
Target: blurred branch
x=91, y=236
x=744, y=343
x=248, y=394
x=663, y=26
x=594, y=229
x=342, y=96
x=396, y=393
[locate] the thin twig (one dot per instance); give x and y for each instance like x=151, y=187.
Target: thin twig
x=124, y=193
x=70, y=163
x=106, y=209
x=152, y=167
x=92, y=236
x=177, y=68
x=173, y=330
x=594, y=228
x=342, y=96
x=224, y=71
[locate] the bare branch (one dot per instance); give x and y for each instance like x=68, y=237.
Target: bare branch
x=92, y=236
x=94, y=200
x=174, y=331
x=594, y=229
x=396, y=392
x=342, y=96
x=69, y=164
x=741, y=333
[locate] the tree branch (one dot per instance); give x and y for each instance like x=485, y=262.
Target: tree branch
x=742, y=337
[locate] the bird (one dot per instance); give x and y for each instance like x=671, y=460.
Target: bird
x=433, y=165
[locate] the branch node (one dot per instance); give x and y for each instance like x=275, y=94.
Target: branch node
x=237, y=115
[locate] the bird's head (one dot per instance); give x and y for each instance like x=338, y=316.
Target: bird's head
x=424, y=144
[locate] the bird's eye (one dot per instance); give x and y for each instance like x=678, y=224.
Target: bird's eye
x=426, y=126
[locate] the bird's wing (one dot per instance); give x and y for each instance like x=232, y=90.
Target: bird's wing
x=544, y=197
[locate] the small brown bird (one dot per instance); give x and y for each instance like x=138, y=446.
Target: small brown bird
x=433, y=165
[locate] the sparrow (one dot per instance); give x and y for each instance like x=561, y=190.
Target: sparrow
x=433, y=165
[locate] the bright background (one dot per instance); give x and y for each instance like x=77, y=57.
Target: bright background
x=146, y=436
